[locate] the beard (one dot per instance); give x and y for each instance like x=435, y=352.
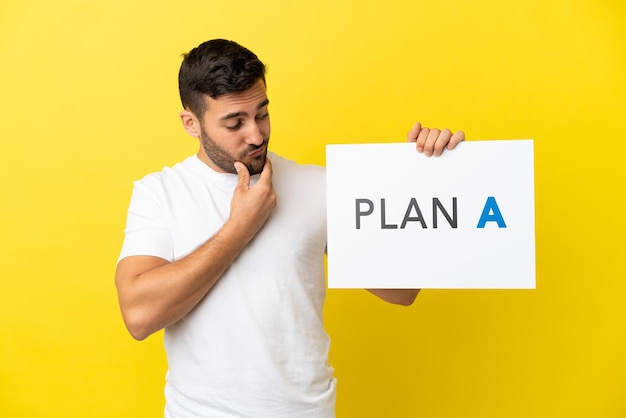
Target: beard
x=226, y=161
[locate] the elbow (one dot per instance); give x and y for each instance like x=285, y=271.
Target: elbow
x=140, y=319
x=138, y=333
x=403, y=297
x=406, y=298
x=137, y=325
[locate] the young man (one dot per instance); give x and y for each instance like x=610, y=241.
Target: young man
x=225, y=251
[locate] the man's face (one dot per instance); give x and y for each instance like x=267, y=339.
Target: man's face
x=236, y=127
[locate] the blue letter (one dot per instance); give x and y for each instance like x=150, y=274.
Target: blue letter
x=491, y=213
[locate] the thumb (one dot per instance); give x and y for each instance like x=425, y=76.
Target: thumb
x=243, y=175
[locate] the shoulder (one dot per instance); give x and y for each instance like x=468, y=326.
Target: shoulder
x=282, y=166
x=158, y=179
x=298, y=181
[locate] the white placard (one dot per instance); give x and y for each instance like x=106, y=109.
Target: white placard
x=399, y=219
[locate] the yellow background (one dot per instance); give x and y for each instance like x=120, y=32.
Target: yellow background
x=89, y=103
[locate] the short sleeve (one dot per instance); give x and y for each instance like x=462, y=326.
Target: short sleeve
x=147, y=231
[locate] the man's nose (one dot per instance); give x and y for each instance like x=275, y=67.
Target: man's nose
x=254, y=135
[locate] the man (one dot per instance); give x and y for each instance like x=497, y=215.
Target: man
x=225, y=252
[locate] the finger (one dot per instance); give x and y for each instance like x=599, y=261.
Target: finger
x=265, y=183
x=441, y=141
x=267, y=172
x=429, y=144
x=243, y=175
x=421, y=139
x=458, y=136
x=415, y=130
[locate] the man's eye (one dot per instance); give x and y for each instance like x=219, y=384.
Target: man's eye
x=234, y=127
x=262, y=116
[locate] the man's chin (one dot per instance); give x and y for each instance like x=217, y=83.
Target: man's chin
x=256, y=164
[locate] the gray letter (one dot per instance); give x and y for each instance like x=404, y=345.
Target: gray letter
x=383, y=225
x=359, y=213
x=437, y=204
x=419, y=217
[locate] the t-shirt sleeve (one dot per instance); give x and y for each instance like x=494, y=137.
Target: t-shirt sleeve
x=147, y=231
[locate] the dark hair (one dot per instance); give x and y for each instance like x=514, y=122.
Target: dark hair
x=214, y=68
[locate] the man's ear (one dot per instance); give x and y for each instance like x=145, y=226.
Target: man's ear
x=191, y=123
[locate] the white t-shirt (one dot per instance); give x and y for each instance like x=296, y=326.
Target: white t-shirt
x=255, y=346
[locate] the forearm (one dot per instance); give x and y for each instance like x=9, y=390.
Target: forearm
x=163, y=292
x=154, y=293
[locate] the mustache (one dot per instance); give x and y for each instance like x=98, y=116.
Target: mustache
x=252, y=147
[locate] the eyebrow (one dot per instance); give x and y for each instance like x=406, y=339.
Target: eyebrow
x=237, y=114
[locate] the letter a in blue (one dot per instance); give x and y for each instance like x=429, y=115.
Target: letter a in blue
x=491, y=213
